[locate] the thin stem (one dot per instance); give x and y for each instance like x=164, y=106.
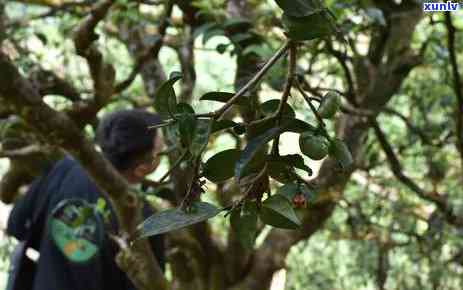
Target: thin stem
x=177, y=163
x=286, y=92
x=289, y=80
x=220, y=112
x=312, y=107
x=160, y=125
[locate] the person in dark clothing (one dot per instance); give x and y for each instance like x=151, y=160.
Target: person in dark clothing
x=132, y=148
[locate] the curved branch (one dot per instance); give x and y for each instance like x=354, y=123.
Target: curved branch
x=151, y=53
x=397, y=170
x=59, y=130
x=457, y=82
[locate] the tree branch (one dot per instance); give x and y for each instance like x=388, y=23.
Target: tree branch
x=59, y=130
x=397, y=170
x=103, y=74
x=151, y=53
x=457, y=83
x=220, y=112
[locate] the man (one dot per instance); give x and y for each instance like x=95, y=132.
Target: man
x=127, y=142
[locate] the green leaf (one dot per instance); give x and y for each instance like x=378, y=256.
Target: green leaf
x=276, y=78
x=162, y=192
x=296, y=125
x=219, y=167
x=236, y=23
x=224, y=97
x=174, y=219
x=204, y=28
x=278, y=212
x=240, y=37
x=244, y=223
x=210, y=33
x=165, y=99
x=314, y=146
x=341, y=153
x=310, y=194
x=289, y=124
x=259, y=50
x=184, y=108
x=329, y=105
x=252, y=148
x=289, y=190
x=295, y=160
x=270, y=107
x=280, y=171
x=186, y=123
x=222, y=125
x=221, y=48
x=299, y=8
x=315, y=25
x=201, y=136
x=187, y=129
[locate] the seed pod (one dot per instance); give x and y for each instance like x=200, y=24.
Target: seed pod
x=341, y=153
x=299, y=201
x=329, y=105
x=314, y=146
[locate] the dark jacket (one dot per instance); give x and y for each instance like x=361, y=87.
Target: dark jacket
x=66, y=180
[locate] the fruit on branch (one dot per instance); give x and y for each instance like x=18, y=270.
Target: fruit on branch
x=299, y=201
x=329, y=105
x=314, y=146
x=341, y=153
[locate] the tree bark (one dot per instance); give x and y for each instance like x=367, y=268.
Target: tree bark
x=59, y=130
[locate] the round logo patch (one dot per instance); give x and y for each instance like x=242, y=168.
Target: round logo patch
x=76, y=229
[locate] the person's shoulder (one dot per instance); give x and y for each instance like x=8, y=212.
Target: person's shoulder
x=74, y=178
x=67, y=162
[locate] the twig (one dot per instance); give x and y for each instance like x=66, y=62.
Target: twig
x=312, y=107
x=397, y=170
x=286, y=92
x=21, y=152
x=176, y=163
x=457, y=83
x=289, y=80
x=350, y=83
x=152, y=52
x=161, y=125
x=220, y=112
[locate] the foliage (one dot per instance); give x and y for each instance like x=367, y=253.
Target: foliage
x=356, y=120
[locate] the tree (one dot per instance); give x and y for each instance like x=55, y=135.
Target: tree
x=322, y=54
